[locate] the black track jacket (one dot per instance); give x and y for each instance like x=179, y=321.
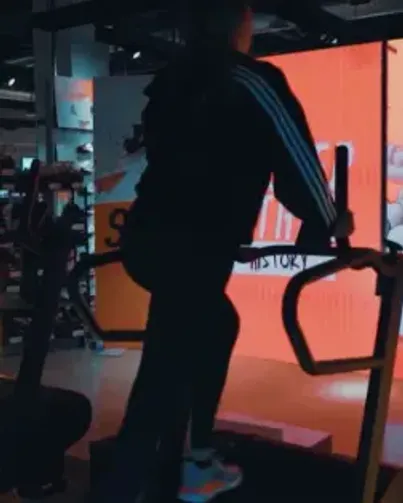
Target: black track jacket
x=216, y=130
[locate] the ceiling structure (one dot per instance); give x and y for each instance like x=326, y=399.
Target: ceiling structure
x=147, y=27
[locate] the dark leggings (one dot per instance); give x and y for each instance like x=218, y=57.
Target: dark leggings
x=191, y=332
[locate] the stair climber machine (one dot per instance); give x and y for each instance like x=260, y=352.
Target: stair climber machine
x=274, y=471
x=39, y=423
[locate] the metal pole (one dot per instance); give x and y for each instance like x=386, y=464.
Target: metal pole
x=369, y=456
x=384, y=138
x=49, y=103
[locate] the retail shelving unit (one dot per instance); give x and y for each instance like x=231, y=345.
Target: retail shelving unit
x=15, y=313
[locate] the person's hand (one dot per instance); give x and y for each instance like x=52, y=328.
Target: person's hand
x=344, y=225
x=245, y=254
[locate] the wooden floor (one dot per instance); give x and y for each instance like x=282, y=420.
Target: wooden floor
x=263, y=389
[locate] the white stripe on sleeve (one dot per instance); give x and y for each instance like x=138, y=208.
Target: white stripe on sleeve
x=293, y=140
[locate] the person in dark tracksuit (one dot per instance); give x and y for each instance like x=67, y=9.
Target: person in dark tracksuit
x=218, y=127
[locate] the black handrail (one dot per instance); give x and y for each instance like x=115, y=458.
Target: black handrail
x=341, y=189
x=296, y=335
x=347, y=258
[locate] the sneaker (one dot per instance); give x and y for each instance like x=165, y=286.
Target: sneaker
x=203, y=481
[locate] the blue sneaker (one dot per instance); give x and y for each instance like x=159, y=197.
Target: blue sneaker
x=202, y=481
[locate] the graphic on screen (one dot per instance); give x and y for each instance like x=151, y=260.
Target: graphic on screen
x=340, y=90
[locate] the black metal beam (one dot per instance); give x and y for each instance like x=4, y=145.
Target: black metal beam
x=386, y=27
x=269, y=45
x=138, y=38
x=308, y=14
x=356, y=32
x=92, y=12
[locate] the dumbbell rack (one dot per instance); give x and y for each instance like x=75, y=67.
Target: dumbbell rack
x=14, y=312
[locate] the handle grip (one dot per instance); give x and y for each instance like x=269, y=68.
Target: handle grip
x=341, y=188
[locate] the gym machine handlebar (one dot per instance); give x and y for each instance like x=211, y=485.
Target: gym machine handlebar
x=295, y=333
x=344, y=257
x=348, y=257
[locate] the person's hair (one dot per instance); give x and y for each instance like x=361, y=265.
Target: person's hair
x=212, y=22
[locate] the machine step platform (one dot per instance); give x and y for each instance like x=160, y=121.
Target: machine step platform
x=284, y=472
x=280, y=463
x=273, y=471
x=243, y=439
x=249, y=426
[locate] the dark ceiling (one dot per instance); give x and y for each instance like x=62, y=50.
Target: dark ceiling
x=148, y=26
